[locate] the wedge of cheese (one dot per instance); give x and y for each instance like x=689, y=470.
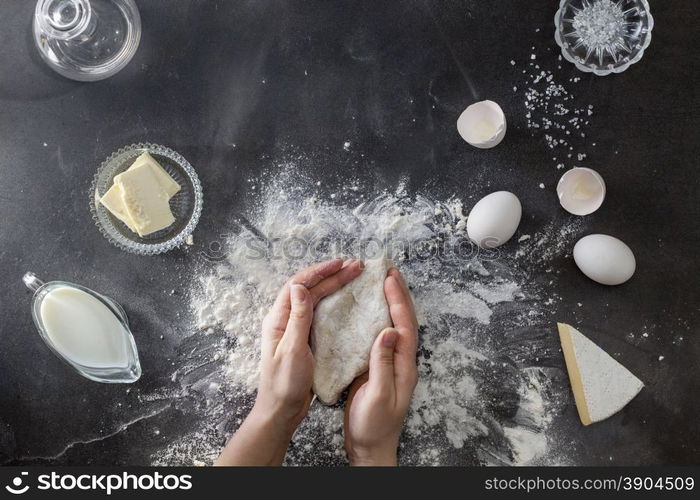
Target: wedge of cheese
x=146, y=202
x=601, y=385
x=166, y=182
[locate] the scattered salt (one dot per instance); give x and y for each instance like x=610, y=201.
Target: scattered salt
x=550, y=109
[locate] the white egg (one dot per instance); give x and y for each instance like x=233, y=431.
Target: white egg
x=483, y=124
x=581, y=191
x=604, y=259
x=494, y=219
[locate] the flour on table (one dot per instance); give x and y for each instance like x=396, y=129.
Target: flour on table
x=485, y=394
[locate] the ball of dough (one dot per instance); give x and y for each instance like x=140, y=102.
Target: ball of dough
x=344, y=328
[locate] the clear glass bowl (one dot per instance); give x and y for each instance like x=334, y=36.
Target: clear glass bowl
x=186, y=205
x=603, y=36
x=87, y=40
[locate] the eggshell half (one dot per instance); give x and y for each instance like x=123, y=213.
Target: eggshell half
x=581, y=191
x=483, y=124
x=494, y=219
x=604, y=259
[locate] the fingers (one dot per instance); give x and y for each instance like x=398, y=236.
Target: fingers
x=276, y=320
x=404, y=319
x=381, y=363
x=297, y=332
x=400, y=297
x=320, y=280
x=312, y=275
x=351, y=269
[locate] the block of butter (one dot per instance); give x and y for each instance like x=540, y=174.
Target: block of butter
x=140, y=196
x=145, y=200
x=112, y=200
x=166, y=182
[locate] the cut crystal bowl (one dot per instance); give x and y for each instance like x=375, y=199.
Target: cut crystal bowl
x=603, y=36
x=186, y=205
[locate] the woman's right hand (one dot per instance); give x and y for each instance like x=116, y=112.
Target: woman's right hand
x=378, y=401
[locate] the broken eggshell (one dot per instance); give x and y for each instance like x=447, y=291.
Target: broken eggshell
x=581, y=191
x=483, y=124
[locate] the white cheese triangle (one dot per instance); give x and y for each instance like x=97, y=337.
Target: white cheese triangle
x=601, y=385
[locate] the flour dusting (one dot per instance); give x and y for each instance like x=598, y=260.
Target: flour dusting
x=485, y=394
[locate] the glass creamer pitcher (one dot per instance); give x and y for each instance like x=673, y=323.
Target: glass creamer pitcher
x=85, y=329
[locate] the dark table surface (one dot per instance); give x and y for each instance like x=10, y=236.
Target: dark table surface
x=264, y=75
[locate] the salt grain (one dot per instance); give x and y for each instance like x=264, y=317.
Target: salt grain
x=599, y=24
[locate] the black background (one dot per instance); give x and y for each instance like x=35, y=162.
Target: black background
x=275, y=78
x=489, y=482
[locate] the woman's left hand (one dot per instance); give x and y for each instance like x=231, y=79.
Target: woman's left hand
x=286, y=366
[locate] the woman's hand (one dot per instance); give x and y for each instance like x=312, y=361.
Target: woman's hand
x=286, y=366
x=379, y=400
